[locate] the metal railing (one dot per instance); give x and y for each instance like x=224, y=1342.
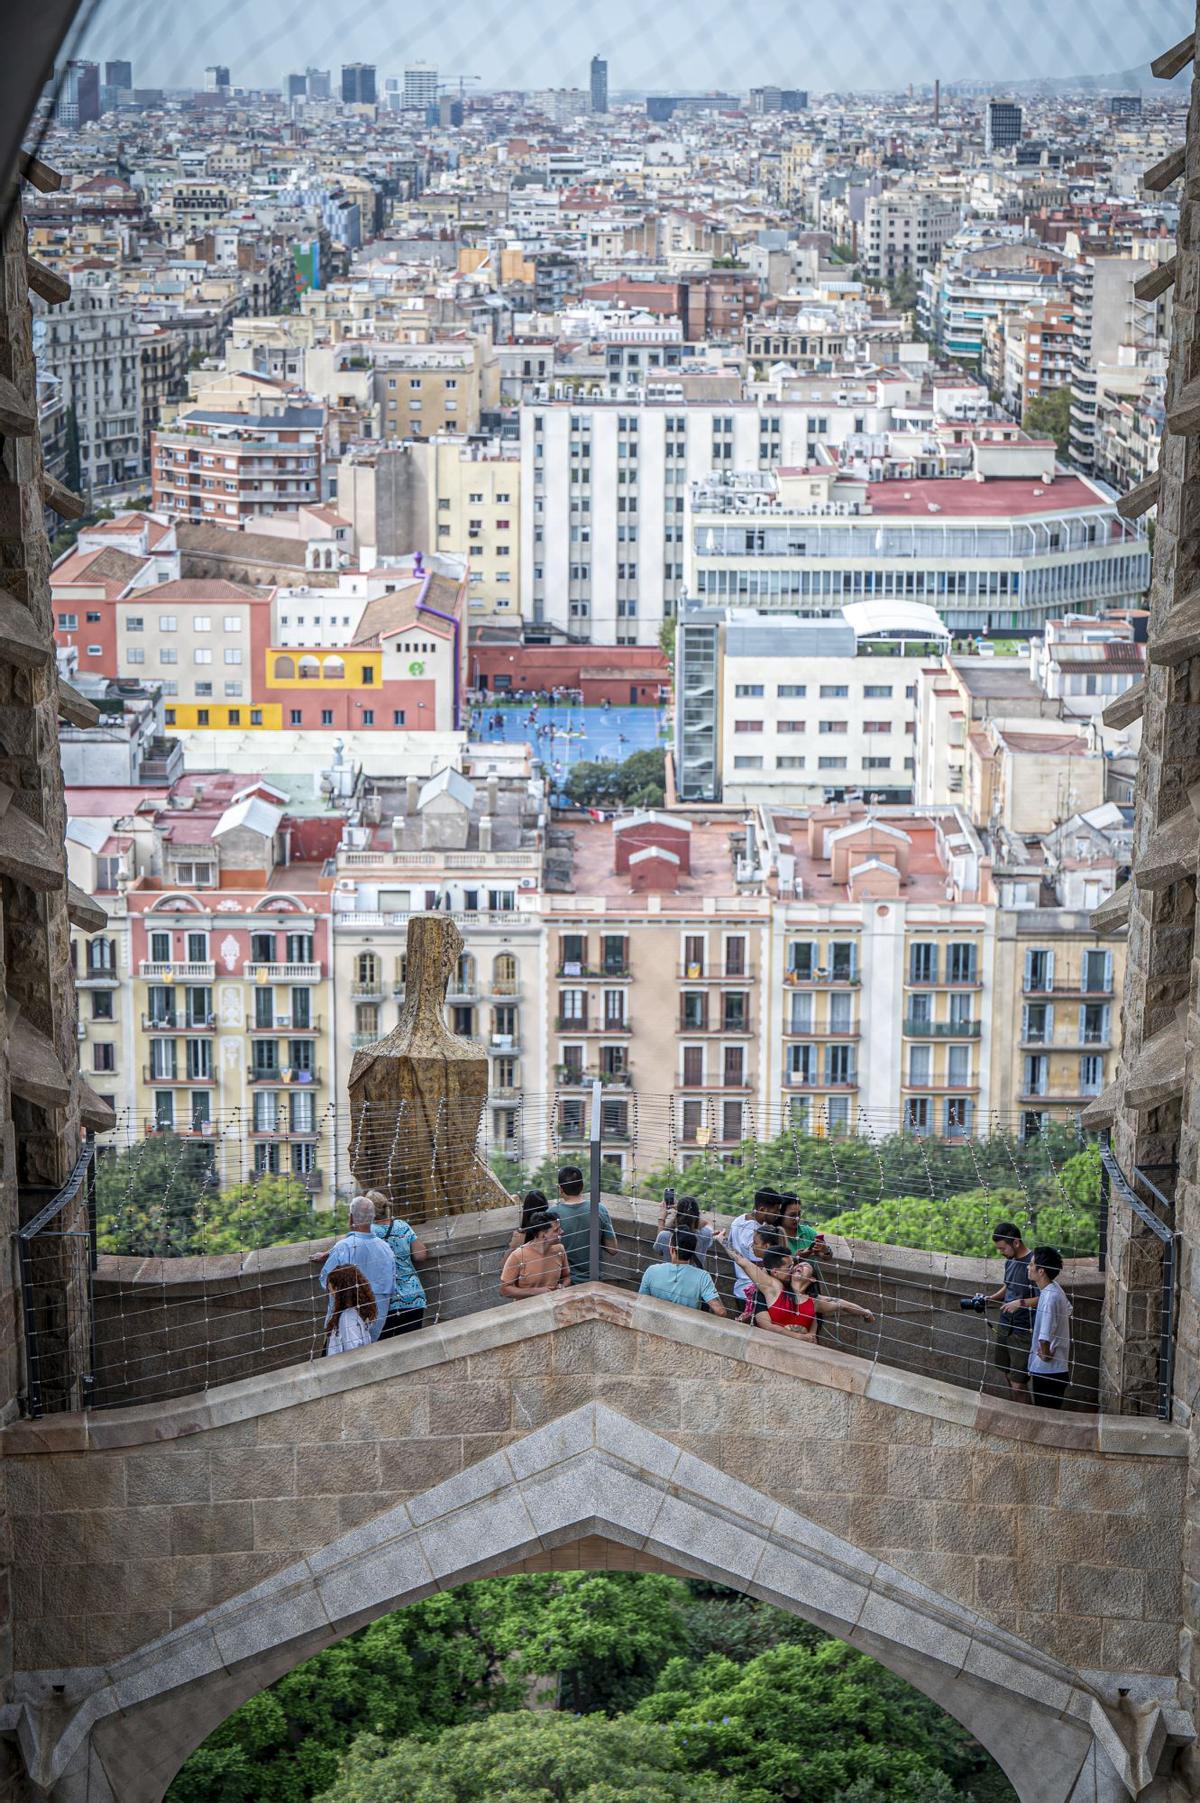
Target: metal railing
x=56, y=1256
x=1113, y=1182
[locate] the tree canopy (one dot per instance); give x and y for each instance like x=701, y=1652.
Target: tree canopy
x=1049, y=416
x=161, y=1198
x=639, y=781
x=589, y=1687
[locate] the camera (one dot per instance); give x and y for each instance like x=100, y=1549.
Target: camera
x=668, y=1198
x=978, y=1302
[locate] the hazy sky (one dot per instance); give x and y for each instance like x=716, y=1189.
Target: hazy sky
x=663, y=44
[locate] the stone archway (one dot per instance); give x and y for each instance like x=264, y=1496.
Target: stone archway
x=119, y=1735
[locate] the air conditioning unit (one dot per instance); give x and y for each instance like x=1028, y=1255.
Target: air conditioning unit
x=527, y=882
x=283, y=1020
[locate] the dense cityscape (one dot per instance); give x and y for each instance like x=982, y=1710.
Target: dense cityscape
x=395, y=404
x=599, y=1137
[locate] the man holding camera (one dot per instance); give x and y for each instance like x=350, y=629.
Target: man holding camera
x=1018, y=1298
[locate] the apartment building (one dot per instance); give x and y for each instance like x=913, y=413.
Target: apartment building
x=1059, y=986
x=973, y=287
x=1113, y=330
x=802, y=710
x=1004, y=551
x=1038, y=352
x=603, y=497
x=238, y=468
x=656, y=985
x=472, y=846
x=422, y=390
x=209, y=1004
x=92, y=344
x=449, y=494
x=905, y=232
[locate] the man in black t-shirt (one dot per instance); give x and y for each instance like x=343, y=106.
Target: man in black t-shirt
x=1018, y=1300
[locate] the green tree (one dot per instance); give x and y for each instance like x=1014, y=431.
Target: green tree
x=148, y=1196
x=802, y=1724
x=963, y=1224
x=528, y=1758
x=1049, y=416
x=639, y=781
x=274, y=1210
x=666, y=641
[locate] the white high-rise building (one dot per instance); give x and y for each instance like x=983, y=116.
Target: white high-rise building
x=420, y=88
x=91, y=344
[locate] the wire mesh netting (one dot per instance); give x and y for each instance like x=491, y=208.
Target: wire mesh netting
x=211, y=1241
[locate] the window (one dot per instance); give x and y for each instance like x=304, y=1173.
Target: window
x=1097, y=971
x=233, y=654
x=917, y=1115
x=135, y=654
x=960, y=963
x=202, y=623
x=234, y=717
x=693, y=1011
x=1035, y=1080
x=233, y=622
x=326, y=716
x=202, y=716
x=747, y=726
x=828, y=726
x=745, y=763
x=735, y=1012
x=748, y=689
x=203, y=688
x=923, y=963
x=296, y=717
x=792, y=691
x=94, y=650
x=168, y=623
x=877, y=726
x=831, y=763
x=398, y=716
x=958, y=1066
x=839, y=1064
x=693, y=1066
x=169, y=655
x=1091, y=1075
x=233, y=691
x=134, y=623
x=834, y=691
x=104, y=1057
x=877, y=691
x=1039, y=971
x=368, y=716
x=102, y=1004
x=68, y=622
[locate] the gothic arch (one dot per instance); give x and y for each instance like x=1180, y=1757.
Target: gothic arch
x=591, y=1473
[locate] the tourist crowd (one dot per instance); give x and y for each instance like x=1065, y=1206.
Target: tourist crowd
x=375, y=1292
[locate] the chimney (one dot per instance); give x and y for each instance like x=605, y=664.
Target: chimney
x=485, y=833
x=412, y=790
x=493, y=794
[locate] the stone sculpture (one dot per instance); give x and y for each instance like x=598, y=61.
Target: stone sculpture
x=417, y=1095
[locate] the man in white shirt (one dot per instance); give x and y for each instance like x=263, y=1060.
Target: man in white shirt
x=1050, y=1352
x=742, y=1231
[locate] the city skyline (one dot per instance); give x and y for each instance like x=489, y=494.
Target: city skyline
x=823, y=51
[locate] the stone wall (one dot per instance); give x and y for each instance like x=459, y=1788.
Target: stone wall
x=1062, y=1529
x=166, y=1327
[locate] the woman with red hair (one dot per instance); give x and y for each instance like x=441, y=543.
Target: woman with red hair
x=352, y=1310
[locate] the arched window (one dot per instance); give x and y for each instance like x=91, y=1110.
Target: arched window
x=366, y=971
x=329, y=560
x=285, y=666
x=310, y=669
x=504, y=974
x=334, y=669
x=464, y=980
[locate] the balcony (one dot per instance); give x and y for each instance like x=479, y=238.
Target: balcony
x=740, y=1030
x=101, y=977
x=822, y=979
x=596, y=973
x=592, y=1026
x=176, y=973
x=367, y=992
x=573, y=1079
x=283, y=1024
x=282, y=973
x=286, y=1077
x=504, y=1043
x=956, y=983
x=1068, y=986
x=792, y=1031
x=177, y=1079
x=941, y=1089
x=497, y=986
x=178, y=1023
x=792, y=1081
x=942, y=1029
x=715, y=973
x=359, y=1040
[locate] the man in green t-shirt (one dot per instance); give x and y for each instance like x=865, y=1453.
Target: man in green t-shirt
x=574, y=1218
x=683, y=1280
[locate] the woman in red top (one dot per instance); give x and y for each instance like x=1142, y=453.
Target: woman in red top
x=788, y=1298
